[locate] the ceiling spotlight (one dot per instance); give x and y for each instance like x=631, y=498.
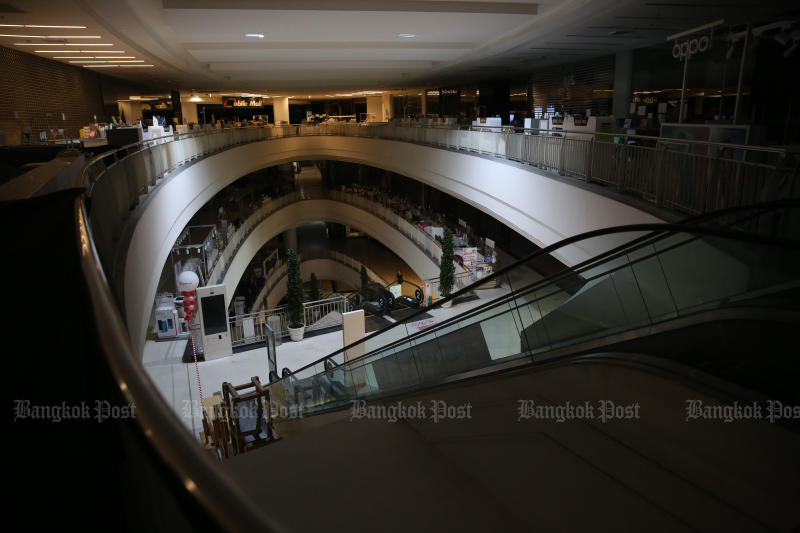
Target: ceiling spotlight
x=254, y=35
x=406, y=35
x=39, y=26
x=194, y=98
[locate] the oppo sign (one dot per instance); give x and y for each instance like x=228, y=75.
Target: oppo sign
x=691, y=47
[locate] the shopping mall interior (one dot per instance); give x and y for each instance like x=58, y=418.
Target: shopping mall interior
x=374, y=265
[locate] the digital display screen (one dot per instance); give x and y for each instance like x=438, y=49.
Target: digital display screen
x=215, y=317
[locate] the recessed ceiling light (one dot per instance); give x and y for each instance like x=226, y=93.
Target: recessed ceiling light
x=113, y=61
x=407, y=35
x=51, y=36
x=61, y=44
x=40, y=26
x=254, y=35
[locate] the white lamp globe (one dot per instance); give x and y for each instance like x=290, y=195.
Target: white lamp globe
x=188, y=281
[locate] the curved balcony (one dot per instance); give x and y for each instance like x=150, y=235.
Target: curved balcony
x=137, y=214
x=334, y=265
x=260, y=227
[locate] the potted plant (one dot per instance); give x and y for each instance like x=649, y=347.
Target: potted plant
x=313, y=295
x=314, y=290
x=446, y=268
x=294, y=296
x=364, y=280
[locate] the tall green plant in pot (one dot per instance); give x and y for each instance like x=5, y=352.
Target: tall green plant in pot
x=314, y=289
x=294, y=296
x=446, y=268
x=364, y=281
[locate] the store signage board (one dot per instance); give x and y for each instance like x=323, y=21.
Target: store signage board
x=469, y=256
x=241, y=102
x=688, y=43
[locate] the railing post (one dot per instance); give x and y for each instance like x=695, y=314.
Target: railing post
x=561, y=158
x=589, y=159
x=659, y=184
x=621, y=169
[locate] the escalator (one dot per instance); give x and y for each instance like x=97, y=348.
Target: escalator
x=617, y=395
x=695, y=287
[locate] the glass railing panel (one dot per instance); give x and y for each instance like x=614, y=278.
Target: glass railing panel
x=502, y=334
x=651, y=283
x=391, y=371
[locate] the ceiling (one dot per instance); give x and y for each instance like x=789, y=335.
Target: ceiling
x=318, y=47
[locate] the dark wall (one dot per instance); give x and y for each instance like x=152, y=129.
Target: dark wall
x=32, y=87
x=493, y=99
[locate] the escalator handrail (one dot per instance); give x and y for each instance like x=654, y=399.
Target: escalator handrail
x=655, y=230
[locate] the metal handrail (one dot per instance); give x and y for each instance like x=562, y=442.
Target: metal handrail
x=560, y=132
x=280, y=269
x=193, y=467
x=652, y=229
x=501, y=129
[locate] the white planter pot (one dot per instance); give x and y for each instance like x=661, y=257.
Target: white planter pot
x=296, y=334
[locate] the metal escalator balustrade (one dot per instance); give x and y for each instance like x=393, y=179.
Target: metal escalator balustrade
x=666, y=273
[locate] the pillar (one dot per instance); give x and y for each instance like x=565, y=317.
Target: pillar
x=424, y=102
x=290, y=239
x=189, y=111
x=623, y=83
x=388, y=111
x=280, y=108
x=175, y=97
x=495, y=96
x=375, y=109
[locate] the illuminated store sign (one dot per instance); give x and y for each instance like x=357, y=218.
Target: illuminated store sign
x=242, y=102
x=690, y=47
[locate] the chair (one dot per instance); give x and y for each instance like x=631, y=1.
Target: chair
x=251, y=422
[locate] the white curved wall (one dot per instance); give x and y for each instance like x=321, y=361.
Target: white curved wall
x=305, y=211
x=542, y=209
x=324, y=269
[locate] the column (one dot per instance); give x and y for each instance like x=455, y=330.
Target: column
x=280, y=107
x=290, y=239
x=175, y=97
x=388, y=111
x=375, y=109
x=623, y=83
x=424, y=102
x=495, y=97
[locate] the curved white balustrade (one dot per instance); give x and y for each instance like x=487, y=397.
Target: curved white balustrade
x=277, y=276
x=542, y=209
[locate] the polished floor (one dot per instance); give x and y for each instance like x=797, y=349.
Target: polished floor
x=178, y=383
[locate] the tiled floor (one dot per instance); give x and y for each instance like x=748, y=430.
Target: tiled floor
x=177, y=381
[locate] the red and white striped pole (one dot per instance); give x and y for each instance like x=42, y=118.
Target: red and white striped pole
x=187, y=284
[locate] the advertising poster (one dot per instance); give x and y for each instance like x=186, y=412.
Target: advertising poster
x=467, y=257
